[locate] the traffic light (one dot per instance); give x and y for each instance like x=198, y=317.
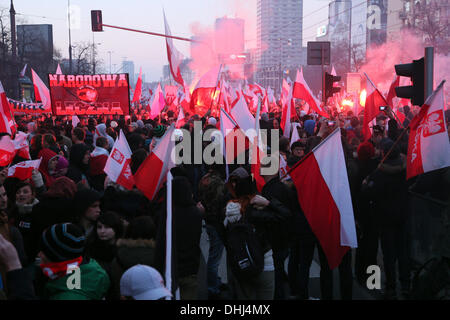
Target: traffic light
x=415, y=71
x=96, y=20
x=329, y=88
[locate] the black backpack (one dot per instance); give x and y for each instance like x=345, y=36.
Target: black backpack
x=245, y=254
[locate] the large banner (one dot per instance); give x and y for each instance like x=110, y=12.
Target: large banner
x=25, y=107
x=89, y=94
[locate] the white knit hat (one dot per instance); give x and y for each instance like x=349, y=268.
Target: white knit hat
x=232, y=212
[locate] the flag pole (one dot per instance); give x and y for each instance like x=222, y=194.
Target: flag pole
x=215, y=88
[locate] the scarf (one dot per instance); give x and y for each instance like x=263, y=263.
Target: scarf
x=56, y=270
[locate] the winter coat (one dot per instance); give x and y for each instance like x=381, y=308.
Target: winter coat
x=94, y=284
x=388, y=191
x=211, y=192
x=46, y=154
x=78, y=171
x=130, y=252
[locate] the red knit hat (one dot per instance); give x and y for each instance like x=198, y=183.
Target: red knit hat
x=365, y=151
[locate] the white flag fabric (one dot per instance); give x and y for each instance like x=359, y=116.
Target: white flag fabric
x=117, y=166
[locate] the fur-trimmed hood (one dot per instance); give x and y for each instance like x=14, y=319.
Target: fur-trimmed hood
x=135, y=243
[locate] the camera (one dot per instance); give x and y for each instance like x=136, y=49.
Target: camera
x=331, y=123
x=382, y=108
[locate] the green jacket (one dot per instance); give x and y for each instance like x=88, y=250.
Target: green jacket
x=94, y=284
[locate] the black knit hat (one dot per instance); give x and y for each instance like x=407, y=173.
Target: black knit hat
x=84, y=198
x=159, y=131
x=62, y=242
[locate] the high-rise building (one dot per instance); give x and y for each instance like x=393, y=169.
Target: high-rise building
x=339, y=33
x=279, y=39
x=35, y=39
x=128, y=67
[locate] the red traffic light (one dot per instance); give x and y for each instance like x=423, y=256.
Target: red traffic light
x=96, y=20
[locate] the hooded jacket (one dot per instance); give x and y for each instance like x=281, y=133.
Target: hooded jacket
x=46, y=154
x=100, y=131
x=130, y=252
x=77, y=169
x=94, y=284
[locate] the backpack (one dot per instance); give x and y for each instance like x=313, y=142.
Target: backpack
x=245, y=254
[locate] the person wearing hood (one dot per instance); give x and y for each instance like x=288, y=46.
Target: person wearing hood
x=21, y=215
x=86, y=209
x=44, y=168
x=136, y=247
x=387, y=188
x=187, y=230
x=99, y=157
x=100, y=131
x=79, y=164
x=62, y=247
x=309, y=127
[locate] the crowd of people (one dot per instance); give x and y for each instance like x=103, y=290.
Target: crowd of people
x=70, y=215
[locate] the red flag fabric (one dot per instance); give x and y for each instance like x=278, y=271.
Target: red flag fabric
x=41, y=91
x=391, y=93
x=138, y=88
x=117, y=166
x=324, y=196
x=429, y=146
x=7, y=123
x=152, y=173
x=24, y=170
x=374, y=101
x=302, y=91
x=158, y=103
x=21, y=145
x=7, y=151
x=173, y=55
x=203, y=94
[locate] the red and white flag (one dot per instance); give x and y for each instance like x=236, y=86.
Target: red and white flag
x=283, y=169
x=21, y=145
x=180, y=120
x=270, y=95
x=22, y=73
x=138, y=88
x=324, y=196
x=24, y=170
x=152, y=173
x=391, y=93
x=232, y=135
x=203, y=94
x=429, y=146
x=173, y=55
x=244, y=118
x=75, y=121
x=302, y=91
x=117, y=166
x=58, y=69
x=373, y=103
x=41, y=91
x=158, y=103
x=7, y=151
x=286, y=116
x=7, y=123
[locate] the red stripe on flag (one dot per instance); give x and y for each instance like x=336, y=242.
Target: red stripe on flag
x=319, y=208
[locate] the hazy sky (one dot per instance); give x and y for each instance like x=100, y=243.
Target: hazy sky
x=147, y=51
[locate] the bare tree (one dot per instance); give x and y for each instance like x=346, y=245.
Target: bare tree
x=429, y=19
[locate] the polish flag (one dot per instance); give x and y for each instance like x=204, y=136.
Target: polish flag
x=21, y=145
x=302, y=91
x=324, y=196
x=265, y=106
x=7, y=123
x=203, y=94
x=256, y=89
x=295, y=137
x=41, y=91
x=151, y=174
x=117, y=166
x=24, y=170
x=224, y=98
x=258, y=150
x=75, y=121
x=171, y=93
x=58, y=69
x=244, y=118
x=158, y=103
x=138, y=88
x=232, y=136
x=428, y=146
x=391, y=93
x=180, y=120
x=173, y=55
x=7, y=151
x=283, y=169
x=373, y=103
x=285, y=90
x=22, y=73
